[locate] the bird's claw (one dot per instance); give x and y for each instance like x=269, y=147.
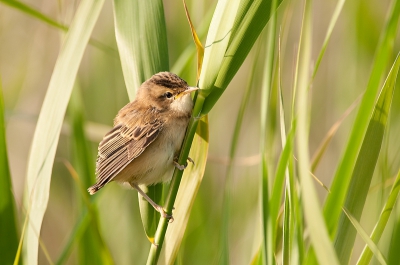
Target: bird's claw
x=169, y=217
x=165, y=215
x=191, y=160
x=180, y=167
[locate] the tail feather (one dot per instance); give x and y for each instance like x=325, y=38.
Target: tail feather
x=95, y=188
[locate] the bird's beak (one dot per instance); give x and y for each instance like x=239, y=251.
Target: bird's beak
x=187, y=91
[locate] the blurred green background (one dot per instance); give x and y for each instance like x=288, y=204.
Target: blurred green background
x=29, y=49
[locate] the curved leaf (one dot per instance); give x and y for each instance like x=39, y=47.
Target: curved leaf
x=365, y=166
x=50, y=120
x=334, y=201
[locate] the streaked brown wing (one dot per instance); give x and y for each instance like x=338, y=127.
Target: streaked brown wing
x=126, y=141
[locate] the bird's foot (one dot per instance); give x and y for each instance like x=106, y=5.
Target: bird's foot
x=191, y=161
x=180, y=167
x=164, y=214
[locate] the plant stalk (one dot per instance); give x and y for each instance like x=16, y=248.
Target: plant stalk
x=155, y=248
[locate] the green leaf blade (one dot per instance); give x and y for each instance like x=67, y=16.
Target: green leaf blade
x=251, y=18
x=365, y=166
x=365, y=237
x=142, y=41
x=332, y=207
x=217, y=42
x=366, y=255
x=8, y=224
x=318, y=233
x=142, y=44
x=50, y=120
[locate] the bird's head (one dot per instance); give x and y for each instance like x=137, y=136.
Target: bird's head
x=167, y=92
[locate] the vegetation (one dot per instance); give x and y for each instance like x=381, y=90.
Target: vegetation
x=294, y=131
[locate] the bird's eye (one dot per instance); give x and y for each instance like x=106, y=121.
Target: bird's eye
x=168, y=95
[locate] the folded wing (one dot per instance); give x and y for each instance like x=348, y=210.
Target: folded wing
x=132, y=133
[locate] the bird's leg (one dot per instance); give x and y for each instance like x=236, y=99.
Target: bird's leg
x=157, y=207
x=182, y=167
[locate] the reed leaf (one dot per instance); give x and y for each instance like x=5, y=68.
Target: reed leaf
x=365, y=237
x=53, y=23
x=8, y=225
x=318, y=234
x=252, y=16
x=142, y=44
x=267, y=217
x=393, y=253
x=341, y=180
x=365, y=166
x=142, y=41
x=366, y=255
x=218, y=38
x=50, y=121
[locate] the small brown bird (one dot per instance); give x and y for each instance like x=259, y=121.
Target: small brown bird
x=145, y=142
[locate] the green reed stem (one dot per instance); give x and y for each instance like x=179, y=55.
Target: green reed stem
x=155, y=248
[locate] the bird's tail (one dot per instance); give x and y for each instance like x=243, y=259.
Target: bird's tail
x=95, y=188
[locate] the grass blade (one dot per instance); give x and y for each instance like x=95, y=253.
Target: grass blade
x=8, y=225
x=394, y=255
x=34, y=13
x=288, y=231
x=267, y=217
x=289, y=246
x=366, y=255
x=365, y=166
x=334, y=202
x=252, y=16
x=332, y=23
x=50, y=121
x=49, y=21
x=291, y=204
x=217, y=42
x=365, y=237
x=141, y=57
x=318, y=233
x=280, y=173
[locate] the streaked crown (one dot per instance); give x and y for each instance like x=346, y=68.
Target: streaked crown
x=168, y=80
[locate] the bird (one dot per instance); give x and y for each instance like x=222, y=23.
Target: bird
x=143, y=146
